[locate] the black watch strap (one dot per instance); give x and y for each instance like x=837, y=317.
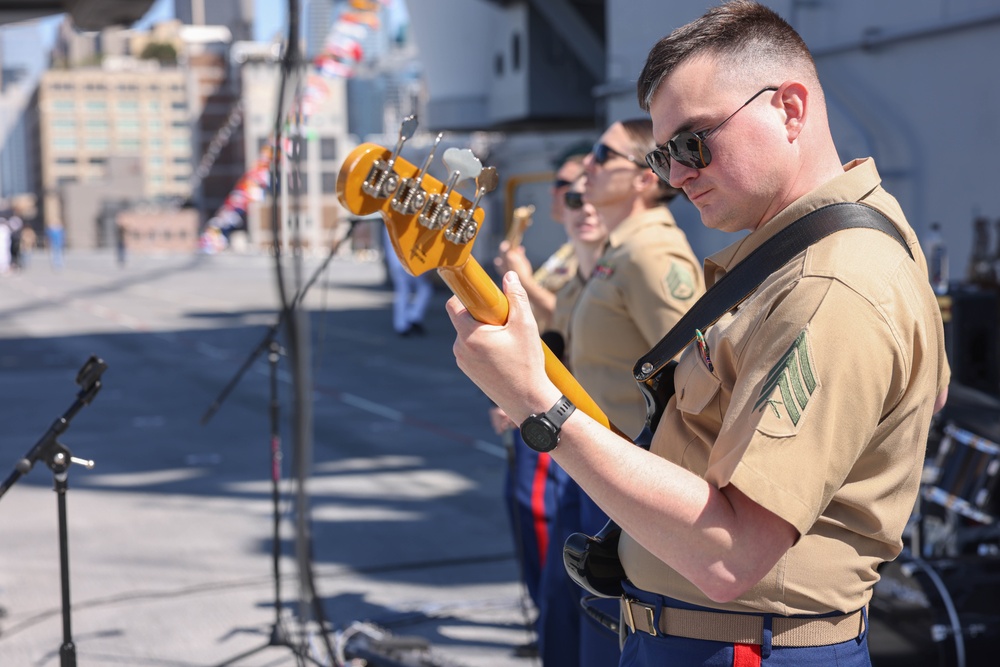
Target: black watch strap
x=541, y=431
x=560, y=412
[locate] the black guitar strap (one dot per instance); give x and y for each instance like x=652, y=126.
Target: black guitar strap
x=592, y=562
x=748, y=275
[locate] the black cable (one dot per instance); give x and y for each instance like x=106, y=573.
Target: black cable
x=301, y=391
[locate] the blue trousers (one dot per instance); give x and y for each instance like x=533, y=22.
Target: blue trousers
x=530, y=496
x=644, y=649
x=411, y=294
x=567, y=637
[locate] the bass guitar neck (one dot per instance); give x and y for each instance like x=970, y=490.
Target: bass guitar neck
x=487, y=303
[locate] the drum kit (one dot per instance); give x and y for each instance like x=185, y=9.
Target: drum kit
x=938, y=603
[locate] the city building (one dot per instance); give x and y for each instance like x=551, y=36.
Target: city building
x=319, y=18
x=316, y=143
x=237, y=15
x=124, y=108
x=217, y=113
x=18, y=165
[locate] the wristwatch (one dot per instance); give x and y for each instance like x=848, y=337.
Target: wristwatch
x=541, y=431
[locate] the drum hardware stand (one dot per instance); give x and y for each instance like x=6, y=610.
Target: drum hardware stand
x=279, y=635
x=59, y=458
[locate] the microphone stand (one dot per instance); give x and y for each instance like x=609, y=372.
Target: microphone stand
x=279, y=635
x=59, y=458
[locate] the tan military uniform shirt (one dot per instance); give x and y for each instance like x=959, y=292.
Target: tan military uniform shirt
x=818, y=406
x=566, y=300
x=645, y=281
x=558, y=269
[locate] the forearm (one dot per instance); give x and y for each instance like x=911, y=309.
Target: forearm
x=718, y=539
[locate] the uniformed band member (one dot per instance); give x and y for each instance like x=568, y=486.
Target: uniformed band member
x=542, y=284
x=644, y=282
x=588, y=237
x=531, y=484
x=560, y=617
x=786, y=465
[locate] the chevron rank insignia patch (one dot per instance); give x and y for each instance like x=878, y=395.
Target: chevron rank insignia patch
x=788, y=387
x=680, y=282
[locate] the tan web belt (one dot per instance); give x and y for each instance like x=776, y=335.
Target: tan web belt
x=741, y=628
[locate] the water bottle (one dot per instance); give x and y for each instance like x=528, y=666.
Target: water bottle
x=980, y=272
x=936, y=253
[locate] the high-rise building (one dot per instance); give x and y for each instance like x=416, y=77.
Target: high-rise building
x=237, y=15
x=308, y=181
x=106, y=126
x=319, y=18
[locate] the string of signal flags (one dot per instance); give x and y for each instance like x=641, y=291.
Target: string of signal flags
x=341, y=54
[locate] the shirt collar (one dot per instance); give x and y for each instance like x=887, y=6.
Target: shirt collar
x=859, y=179
x=658, y=215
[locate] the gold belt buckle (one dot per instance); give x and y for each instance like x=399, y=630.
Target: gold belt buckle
x=650, y=620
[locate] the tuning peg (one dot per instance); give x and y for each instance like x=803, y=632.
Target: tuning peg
x=410, y=197
x=464, y=227
x=430, y=157
x=408, y=126
x=406, y=130
x=382, y=180
x=462, y=164
x=487, y=181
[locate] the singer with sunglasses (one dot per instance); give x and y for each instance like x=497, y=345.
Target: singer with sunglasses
x=785, y=468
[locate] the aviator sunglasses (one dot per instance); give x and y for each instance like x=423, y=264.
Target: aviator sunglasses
x=689, y=148
x=574, y=200
x=602, y=153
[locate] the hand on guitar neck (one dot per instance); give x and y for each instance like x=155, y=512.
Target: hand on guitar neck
x=432, y=226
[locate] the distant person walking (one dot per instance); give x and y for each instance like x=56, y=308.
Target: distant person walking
x=16, y=227
x=120, y=243
x=4, y=247
x=57, y=237
x=412, y=294
x=28, y=241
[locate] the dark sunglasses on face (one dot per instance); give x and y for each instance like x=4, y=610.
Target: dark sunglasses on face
x=602, y=153
x=559, y=184
x=689, y=148
x=574, y=200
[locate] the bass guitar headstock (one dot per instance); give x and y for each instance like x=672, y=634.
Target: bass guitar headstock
x=430, y=224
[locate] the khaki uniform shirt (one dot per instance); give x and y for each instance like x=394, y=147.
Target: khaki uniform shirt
x=818, y=407
x=566, y=299
x=558, y=269
x=645, y=281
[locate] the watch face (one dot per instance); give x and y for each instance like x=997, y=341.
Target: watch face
x=538, y=435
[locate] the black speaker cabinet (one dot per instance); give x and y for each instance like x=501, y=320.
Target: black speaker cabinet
x=970, y=331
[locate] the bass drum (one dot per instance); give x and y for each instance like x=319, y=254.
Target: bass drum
x=942, y=612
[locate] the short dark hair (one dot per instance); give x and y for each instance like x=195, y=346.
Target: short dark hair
x=740, y=31
x=573, y=153
x=640, y=134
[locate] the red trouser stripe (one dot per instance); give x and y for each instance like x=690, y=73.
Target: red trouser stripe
x=539, y=517
x=746, y=655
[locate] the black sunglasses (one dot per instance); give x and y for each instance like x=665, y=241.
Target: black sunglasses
x=559, y=184
x=574, y=200
x=689, y=148
x=602, y=153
